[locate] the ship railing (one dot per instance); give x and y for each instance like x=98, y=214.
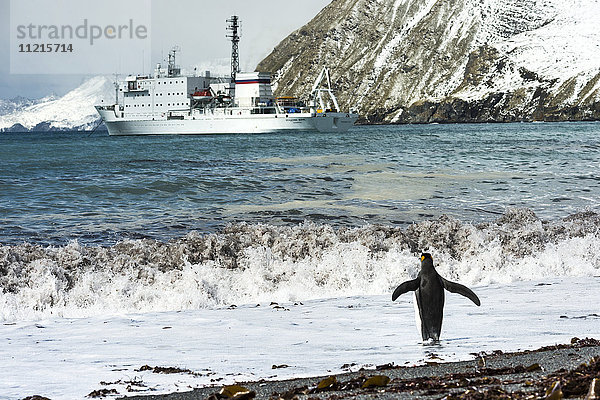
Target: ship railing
x=263, y=110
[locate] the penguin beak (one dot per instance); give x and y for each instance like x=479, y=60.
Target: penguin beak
x=422, y=258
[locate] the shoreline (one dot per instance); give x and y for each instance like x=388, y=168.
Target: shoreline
x=518, y=375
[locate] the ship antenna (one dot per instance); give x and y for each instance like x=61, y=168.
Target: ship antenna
x=172, y=68
x=116, y=83
x=235, y=39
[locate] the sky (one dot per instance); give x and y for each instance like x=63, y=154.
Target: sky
x=197, y=27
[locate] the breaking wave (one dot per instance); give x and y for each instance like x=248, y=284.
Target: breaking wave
x=253, y=263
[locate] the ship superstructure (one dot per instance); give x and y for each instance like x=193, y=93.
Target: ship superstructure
x=171, y=103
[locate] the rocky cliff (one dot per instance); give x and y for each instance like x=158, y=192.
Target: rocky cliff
x=450, y=60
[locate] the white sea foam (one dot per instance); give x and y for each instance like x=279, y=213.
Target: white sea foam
x=246, y=264
x=226, y=345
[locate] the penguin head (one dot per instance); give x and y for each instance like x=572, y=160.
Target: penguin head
x=426, y=260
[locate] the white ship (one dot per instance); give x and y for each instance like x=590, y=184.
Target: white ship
x=171, y=103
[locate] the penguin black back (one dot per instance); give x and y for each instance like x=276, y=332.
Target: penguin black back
x=429, y=293
x=430, y=299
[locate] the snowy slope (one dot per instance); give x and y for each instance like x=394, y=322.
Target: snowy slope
x=568, y=45
x=75, y=110
x=436, y=60
x=561, y=46
x=18, y=103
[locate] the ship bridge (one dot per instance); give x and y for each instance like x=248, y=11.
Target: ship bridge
x=253, y=89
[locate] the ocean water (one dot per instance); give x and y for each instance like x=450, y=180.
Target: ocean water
x=56, y=187
x=119, y=252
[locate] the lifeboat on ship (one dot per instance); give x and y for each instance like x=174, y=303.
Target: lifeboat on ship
x=202, y=95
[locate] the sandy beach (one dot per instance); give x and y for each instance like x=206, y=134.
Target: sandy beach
x=568, y=368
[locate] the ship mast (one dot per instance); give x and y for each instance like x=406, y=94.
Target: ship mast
x=116, y=83
x=172, y=68
x=235, y=39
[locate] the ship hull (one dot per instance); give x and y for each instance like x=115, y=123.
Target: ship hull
x=268, y=123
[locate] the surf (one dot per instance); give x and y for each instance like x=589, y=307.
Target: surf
x=249, y=263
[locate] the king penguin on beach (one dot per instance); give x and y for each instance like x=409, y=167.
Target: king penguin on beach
x=429, y=291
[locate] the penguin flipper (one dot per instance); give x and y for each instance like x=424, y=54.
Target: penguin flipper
x=406, y=287
x=454, y=287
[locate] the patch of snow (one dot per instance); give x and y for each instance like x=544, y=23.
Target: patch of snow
x=281, y=72
x=396, y=117
x=563, y=48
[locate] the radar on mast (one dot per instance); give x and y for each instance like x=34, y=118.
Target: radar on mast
x=232, y=27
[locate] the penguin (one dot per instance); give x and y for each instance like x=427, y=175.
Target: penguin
x=429, y=292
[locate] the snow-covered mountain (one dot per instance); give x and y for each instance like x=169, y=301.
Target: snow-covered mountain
x=443, y=60
x=413, y=61
x=74, y=110
x=17, y=103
